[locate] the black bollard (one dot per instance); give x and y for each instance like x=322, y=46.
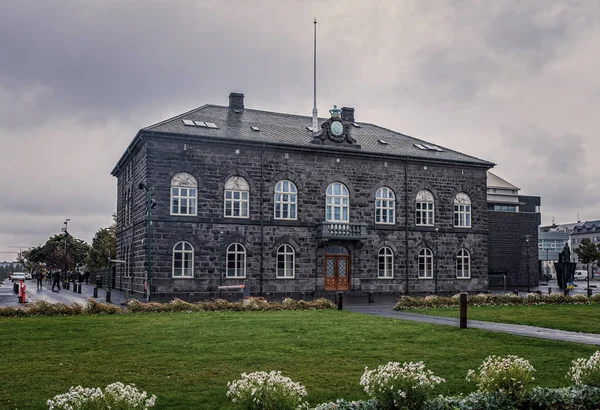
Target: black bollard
x=549, y=290
x=589, y=292
x=95, y=292
x=79, y=288
x=516, y=292
x=371, y=297
x=74, y=287
x=463, y=310
x=340, y=300
x=108, y=295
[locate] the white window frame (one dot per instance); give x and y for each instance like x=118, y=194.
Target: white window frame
x=187, y=255
x=285, y=200
x=462, y=210
x=425, y=261
x=385, y=256
x=385, y=206
x=425, y=209
x=236, y=197
x=238, y=253
x=288, y=256
x=337, y=199
x=184, y=195
x=463, y=264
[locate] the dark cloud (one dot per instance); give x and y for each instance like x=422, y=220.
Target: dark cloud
x=556, y=167
x=79, y=78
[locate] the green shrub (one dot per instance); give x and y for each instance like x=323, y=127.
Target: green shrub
x=586, y=371
x=510, y=375
x=265, y=391
x=400, y=386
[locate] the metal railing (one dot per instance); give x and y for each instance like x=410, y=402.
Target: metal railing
x=336, y=230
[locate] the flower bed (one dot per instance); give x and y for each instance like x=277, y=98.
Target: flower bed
x=503, y=383
x=94, y=307
x=486, y=299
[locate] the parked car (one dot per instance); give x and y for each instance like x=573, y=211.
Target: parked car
x=580, y=275
x=18, y=276
x=27, y=275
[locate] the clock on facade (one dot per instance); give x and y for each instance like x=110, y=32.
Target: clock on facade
x=337, y=128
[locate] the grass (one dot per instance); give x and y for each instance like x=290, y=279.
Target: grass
x=575, y=318
x=186, y=359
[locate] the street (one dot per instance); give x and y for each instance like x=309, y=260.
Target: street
x=9, y=298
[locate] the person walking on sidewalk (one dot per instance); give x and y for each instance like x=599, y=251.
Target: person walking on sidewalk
x=56, y=280
x=40, y=277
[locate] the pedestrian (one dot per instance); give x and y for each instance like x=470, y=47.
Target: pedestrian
x=55, y=280
x=40, y=277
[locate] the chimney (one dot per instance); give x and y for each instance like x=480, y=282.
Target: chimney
x=347, y=114
x=236, y=101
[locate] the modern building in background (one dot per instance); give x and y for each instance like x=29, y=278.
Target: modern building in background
x=262, y=198
x=585, y=230
x=514, y=222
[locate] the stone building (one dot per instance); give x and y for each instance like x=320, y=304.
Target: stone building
x=244, y=195
x=513, y=222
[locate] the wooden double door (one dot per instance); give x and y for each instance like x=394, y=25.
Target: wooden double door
x=337, y=269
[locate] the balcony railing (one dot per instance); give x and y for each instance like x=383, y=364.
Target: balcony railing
x=336, y=230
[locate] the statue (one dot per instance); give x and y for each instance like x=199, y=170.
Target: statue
x=567, y=253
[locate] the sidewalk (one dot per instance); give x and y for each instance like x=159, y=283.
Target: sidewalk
x=520, y=330
x=117, y=297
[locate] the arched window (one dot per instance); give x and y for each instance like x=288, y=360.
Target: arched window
x=236, y=198
x=385, y=206
x=184, y=191
x=425, y=263
x=285, y=262
x=462, y=210
x=424, y=208
x=285, y=200
x=338, y=203
x=183, y=260
x=236, y=261
x=386, y=263
x=463, y=264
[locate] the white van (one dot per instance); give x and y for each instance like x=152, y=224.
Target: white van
x=580, y=275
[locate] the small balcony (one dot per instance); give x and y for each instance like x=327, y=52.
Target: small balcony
x=336, y=230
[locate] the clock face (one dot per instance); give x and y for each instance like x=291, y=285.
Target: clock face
x=337, y=128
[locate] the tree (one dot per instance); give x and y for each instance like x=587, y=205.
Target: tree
x=104, y=246
x=587, y=252
x=52, y=254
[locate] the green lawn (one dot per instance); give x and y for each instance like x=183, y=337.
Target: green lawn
x=576, y=318
x=186, y=359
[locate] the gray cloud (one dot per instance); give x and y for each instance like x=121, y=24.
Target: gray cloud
x=508, y=81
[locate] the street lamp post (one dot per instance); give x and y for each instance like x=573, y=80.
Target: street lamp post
x=222, y=263
x=527, y=256
x=150, y=203
x=65, y=279
x=435, y=261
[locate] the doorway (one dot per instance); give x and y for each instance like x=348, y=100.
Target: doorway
x=337, y=268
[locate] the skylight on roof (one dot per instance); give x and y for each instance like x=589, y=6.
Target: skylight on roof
x=200, y=123
x=255, y=128
x=384, y=142
x=433, y=147
x=188, y=122
x=428, y=147
x=211, y=125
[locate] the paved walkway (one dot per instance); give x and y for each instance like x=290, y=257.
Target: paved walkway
x=521, y=330
x=9, y=298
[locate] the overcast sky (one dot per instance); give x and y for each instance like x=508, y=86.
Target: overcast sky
x=512, y=82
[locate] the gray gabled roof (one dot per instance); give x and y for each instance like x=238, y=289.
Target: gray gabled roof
x=288, y=129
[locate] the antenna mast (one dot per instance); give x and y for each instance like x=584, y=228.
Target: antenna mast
x=315, y=121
